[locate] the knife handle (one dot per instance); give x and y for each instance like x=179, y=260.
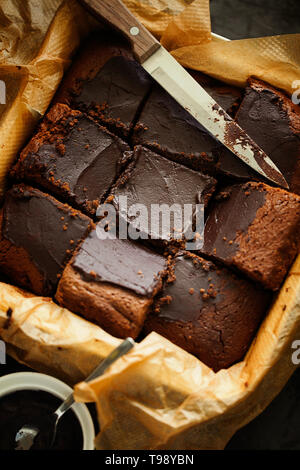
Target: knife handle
x=115, y=13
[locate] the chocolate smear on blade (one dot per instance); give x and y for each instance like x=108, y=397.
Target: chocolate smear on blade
x=235, y=135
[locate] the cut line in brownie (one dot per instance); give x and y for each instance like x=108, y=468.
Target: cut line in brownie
x=208, y=311
x=105, y=81
x=160, y=184
x=38, y=237
x=273, y=121
x=168, y=129
x=256, y=229
x=73, y=158
x=112, y=282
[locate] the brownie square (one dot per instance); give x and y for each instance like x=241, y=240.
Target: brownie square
x=168, y=129
x=273, y=122
x=105, y=81
x=38, y=237
x=208, y=311
x=73, y=158
x=112, y=282
x=152, y=180
x=255, y=228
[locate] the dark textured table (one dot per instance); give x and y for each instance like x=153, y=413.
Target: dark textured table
x=239, y=19
x=278, y=427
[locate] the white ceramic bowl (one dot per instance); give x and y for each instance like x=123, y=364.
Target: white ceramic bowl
x=34, y=381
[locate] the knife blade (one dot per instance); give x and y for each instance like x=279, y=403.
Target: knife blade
x=162, y=66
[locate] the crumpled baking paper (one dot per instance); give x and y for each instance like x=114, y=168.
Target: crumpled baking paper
x=158, y=396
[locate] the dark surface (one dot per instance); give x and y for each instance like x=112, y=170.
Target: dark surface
x=278, y=427
x=240, y=19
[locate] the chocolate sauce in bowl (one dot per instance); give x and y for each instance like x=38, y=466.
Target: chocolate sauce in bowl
x=37, y=407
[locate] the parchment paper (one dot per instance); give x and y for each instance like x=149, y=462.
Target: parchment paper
x=158, y=396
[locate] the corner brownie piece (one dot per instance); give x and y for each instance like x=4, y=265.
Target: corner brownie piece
x=73, y=158
x=112, y=282
x=153, y=180
x=167, y=128
x=273, y=121
x=208, y=311
x=256, y=229
x=106, y=82
x=38, y=237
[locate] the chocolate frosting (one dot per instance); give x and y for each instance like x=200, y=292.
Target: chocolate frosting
x=208, y=311
x=186, y=300
x=119, y=262
x=81, y=166
x=119, y=88
x=48, y=230
x=168, y=128
x=231, y=214
x=154, y=179
x=273, y=122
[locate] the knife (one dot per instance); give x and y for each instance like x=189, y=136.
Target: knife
x=157, y=61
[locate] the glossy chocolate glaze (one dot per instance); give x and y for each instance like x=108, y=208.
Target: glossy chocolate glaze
x=153, y=179
x=119, y=262
x=256, y=231
x=231, y=215
x=46, y=229
x=191, y=275
x=79, y=164
x=169, y=129
x=208, y=311
x=273, y=122
x=118, y=90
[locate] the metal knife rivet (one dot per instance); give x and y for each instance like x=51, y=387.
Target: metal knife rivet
x=134, y=31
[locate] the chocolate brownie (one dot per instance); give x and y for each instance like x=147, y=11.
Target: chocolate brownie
x=38, y=237
x=273, y=121
x=156, y=182
x=112, y=283
x=107, y=82
x=208, y=311
x=73, y=158
x=167, y=128
x=256, y=229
